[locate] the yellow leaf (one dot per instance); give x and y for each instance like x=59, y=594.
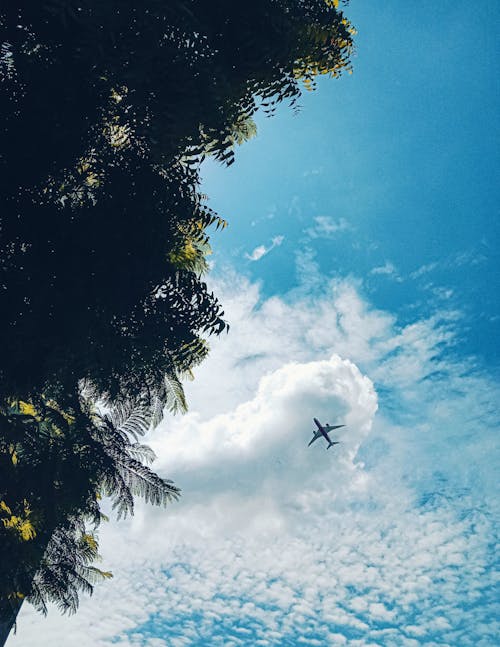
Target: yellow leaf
x=16, y=594
x=27, y=409
x=90, y=541
x=26, y=530
x=13, y=455
x=22, y=526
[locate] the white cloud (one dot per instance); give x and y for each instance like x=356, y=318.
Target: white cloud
x=388, y=269
x=259, y=445
x=468, y=257
x=423, y=269
x=384, y=540
x=326, y=227
x=444, y=294
x=268, y=216
x=257, y=253
x=262, y=250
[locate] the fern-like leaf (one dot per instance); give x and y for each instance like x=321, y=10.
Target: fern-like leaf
x=175, y=397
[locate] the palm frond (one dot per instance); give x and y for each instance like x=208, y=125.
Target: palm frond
x=141, y=452
x=174, y=394
x=157, y=408
x=145, y=483
x=130, y=419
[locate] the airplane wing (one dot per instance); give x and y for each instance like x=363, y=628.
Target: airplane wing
x=316, y=435
x=330, y=427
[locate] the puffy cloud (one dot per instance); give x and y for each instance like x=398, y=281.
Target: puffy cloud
x=385, y=540
x=249, y=445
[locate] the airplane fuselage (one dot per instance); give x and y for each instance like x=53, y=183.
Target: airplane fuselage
x=323, y=431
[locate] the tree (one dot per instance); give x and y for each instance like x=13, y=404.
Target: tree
x=58, y=466
x=107, y=111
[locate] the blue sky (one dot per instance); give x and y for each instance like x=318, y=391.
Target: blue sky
x=359, y=274
x=405, y=153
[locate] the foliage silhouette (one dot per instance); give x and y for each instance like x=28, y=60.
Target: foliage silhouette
x=56, y=467
x=107, y=110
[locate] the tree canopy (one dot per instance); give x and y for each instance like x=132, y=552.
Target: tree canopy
x=107, y=110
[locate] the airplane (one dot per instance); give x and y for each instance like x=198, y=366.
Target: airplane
x=323, y=431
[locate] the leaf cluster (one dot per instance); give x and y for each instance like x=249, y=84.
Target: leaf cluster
x=55, y=467
x=107, y=110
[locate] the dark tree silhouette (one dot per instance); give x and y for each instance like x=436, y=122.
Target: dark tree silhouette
x=107, y=110
x=56, y=466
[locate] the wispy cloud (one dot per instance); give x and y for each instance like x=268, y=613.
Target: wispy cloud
x=471, y=258
x=387, y=269
x=326, y=227
x=444, y=294
x=267, y=216
x=262, y=250
x=423, y=269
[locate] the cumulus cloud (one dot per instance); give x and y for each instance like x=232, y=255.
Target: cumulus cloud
x=258, y=447
x=385, y=540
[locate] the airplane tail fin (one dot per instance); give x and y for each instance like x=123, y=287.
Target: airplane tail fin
x=335, y=442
